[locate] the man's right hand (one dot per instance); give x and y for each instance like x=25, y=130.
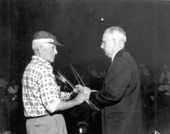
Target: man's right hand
x=86, y=91
x=79, y=88
x=80, y=98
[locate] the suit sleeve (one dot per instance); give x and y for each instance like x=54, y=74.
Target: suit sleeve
x=115, y=85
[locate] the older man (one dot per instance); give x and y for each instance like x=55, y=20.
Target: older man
x=42, y=98
x=120, y=97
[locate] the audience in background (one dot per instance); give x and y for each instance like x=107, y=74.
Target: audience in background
x=164, y=81
x=164, y=87
x=11, y=112
x=145, y=77
x=4, y=113
x=13, y=102
x=164, y=77
x=147, y=92
x=11, y=109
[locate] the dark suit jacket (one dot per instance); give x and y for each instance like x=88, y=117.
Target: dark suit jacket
x=120, y=97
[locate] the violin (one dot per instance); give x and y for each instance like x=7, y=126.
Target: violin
x=64, y=80
x=65, y=87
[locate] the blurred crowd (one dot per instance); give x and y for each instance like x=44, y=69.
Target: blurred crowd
x=155, y=95
x=11, y=114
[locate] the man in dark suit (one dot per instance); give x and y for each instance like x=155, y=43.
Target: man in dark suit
x=120, y=97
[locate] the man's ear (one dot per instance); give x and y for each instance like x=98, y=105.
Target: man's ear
x=114, y=40
x=39, y=50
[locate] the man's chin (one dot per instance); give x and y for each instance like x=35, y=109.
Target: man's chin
x=107, y=54
x=51, y=61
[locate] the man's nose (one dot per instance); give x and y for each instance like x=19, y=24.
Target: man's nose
x=56, y=52
x=101, y=45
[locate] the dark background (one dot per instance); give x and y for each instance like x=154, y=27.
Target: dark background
x=78, y=26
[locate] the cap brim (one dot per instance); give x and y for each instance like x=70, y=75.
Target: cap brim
x=56, y=43
x=59, y=44
x=47, y=40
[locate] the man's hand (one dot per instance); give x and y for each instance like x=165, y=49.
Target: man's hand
x=85, y=90
x=80, y=98
x=79, y=88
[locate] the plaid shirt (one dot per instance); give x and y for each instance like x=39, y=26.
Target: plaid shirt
x=40, y=92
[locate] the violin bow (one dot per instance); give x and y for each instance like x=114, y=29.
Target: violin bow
x=80, y=81
x=77, y=76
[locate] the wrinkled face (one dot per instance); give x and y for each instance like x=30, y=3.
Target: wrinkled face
x=108, y=45
x=48, y=52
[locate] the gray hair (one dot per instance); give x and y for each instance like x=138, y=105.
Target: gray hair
x=117, y=33
x=35, y=47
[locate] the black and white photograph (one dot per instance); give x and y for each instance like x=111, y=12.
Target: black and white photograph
x=85, y=67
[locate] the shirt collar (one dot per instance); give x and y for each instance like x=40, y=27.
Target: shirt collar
x=114, y=54
x=37, y=58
